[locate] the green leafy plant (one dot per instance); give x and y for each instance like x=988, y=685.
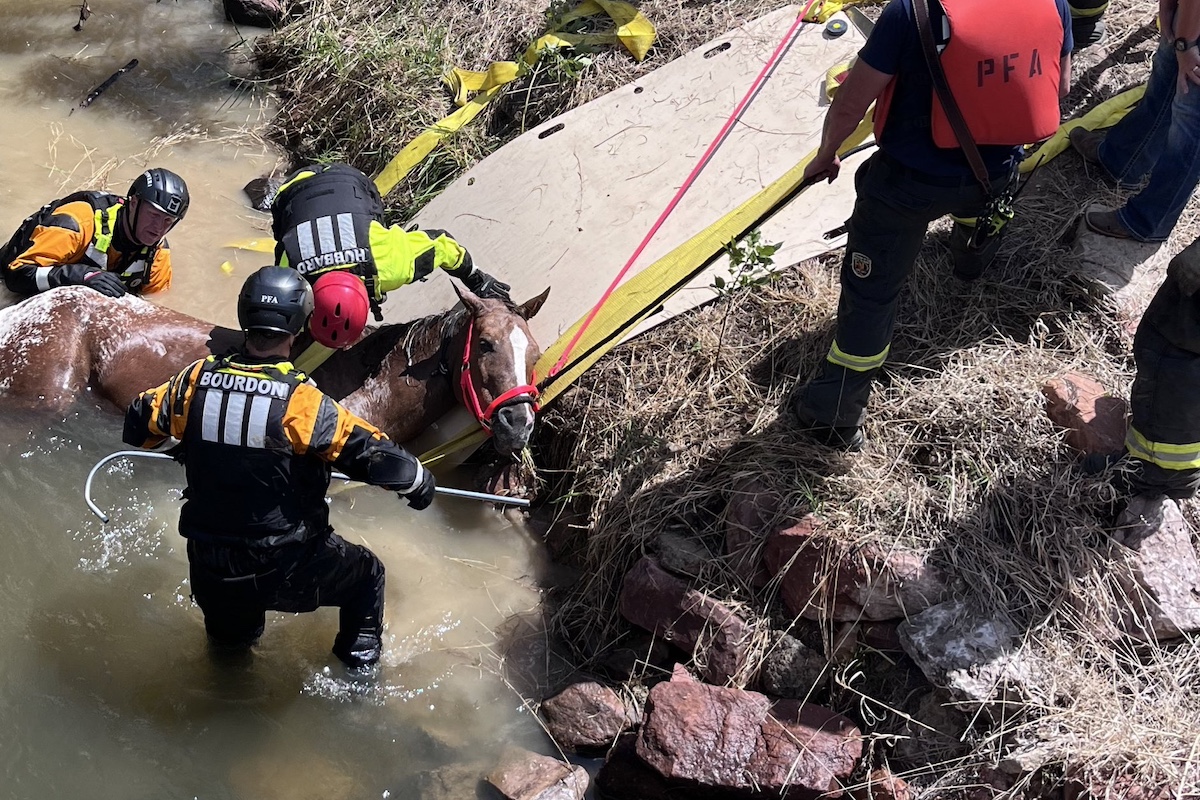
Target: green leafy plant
x=565, y=63
x=750, y=260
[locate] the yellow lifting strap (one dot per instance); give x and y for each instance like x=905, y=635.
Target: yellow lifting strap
x=1105, y=115
x=474, y=90
x=822, y=10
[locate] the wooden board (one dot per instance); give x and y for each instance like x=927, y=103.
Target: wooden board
x=565, y=204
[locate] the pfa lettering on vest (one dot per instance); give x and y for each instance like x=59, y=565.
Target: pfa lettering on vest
x=1008, y=67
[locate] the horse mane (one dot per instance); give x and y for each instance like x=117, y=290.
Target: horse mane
x=424, y=340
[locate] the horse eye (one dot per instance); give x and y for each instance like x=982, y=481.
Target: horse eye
x=486, y=347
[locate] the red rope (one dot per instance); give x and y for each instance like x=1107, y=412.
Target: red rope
x=691, y=178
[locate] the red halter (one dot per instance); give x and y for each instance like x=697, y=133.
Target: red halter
x=526, y=393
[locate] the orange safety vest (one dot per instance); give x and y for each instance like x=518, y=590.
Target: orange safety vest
x=1003, y=66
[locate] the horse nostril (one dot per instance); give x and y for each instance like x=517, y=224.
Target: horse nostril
x=517, y=416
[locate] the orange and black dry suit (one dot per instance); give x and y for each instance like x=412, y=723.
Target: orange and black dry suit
x=81, y=228
x=259, y=440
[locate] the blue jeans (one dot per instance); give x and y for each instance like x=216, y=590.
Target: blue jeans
x=1159, y=138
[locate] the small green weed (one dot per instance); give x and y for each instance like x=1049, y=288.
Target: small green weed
x=750, y=259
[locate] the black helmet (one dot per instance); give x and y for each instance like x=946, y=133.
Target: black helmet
x=162, y=189
x=275, y=299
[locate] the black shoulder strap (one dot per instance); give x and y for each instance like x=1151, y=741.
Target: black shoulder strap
x=961, y=132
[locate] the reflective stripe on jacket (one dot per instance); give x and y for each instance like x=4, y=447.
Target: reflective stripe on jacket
x=260, y=440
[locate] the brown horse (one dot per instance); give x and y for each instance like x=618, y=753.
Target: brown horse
x=62, y=344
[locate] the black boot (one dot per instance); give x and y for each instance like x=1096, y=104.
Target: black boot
x=361, y=649
x=1087, y=31
x=971, y=262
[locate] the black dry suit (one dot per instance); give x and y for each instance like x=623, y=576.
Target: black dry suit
x=259, y=442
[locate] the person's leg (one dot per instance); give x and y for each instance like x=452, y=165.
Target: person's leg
x=1151, y=214
x=234, y=615
x=885, y=234
x=330, y=571
x=970, y=262
x=1164, y=430
x=1135, y=144
x=886, y=230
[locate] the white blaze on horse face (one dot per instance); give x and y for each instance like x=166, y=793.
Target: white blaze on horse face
x=520, y=347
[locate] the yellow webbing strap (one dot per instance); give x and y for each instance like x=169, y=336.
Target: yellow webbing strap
x=822, y=10
x=474, y=90
x=637, y=298
x=314, y=356
x=1104, y=115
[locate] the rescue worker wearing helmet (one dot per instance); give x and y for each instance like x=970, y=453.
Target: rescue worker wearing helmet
x=259, y=440
x=328, y=220
x=108, y=243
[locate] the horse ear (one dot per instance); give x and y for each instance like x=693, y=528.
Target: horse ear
x=530, y=307
x=469, y=299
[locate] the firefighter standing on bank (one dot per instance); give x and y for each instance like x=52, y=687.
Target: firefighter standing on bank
x=108, y=243
x=1007, y=80
x=1162, y=444
x=327, y=223
x=258, y=440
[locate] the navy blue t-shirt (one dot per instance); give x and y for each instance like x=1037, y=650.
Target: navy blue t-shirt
x=894, y=48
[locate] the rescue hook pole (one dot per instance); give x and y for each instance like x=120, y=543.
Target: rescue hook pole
x=443, y=490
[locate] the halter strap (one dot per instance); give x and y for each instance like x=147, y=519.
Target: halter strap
x=525, y=393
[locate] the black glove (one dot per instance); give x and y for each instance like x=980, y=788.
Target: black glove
x=420, y=497
x=105, y=283
x=483, y=285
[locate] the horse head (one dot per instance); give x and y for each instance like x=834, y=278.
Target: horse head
x=495, y=379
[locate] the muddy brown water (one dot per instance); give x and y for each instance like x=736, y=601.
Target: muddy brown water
x=107, y=690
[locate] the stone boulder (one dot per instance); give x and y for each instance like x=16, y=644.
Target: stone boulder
x=657, y=601
x=587, y=716
x=255, y=13
x=748, y=513
x=975, y=657
x=826, y=579
x=1123, y=271
x=790, y=668
x=881, y=784
x=522, y=775
x=1095, y=422
x=1155, y=565
x=737, y=740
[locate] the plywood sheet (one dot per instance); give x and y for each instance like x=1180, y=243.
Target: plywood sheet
x=566, y=204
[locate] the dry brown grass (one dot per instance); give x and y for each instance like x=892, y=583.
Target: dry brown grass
x=962, y=463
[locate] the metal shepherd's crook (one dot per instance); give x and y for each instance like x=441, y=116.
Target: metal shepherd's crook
x=87, y=486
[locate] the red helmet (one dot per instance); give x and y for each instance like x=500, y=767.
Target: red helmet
x=339, y=309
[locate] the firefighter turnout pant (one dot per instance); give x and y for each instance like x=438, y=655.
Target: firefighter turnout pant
x=1164, y=427
x=894, y=207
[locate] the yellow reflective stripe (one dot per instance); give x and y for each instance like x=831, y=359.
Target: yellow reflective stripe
x=299, y=176
x=857, y=363
x=970, y=222
x=1167, y=456
x=102, y=235
x=1077, y=13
